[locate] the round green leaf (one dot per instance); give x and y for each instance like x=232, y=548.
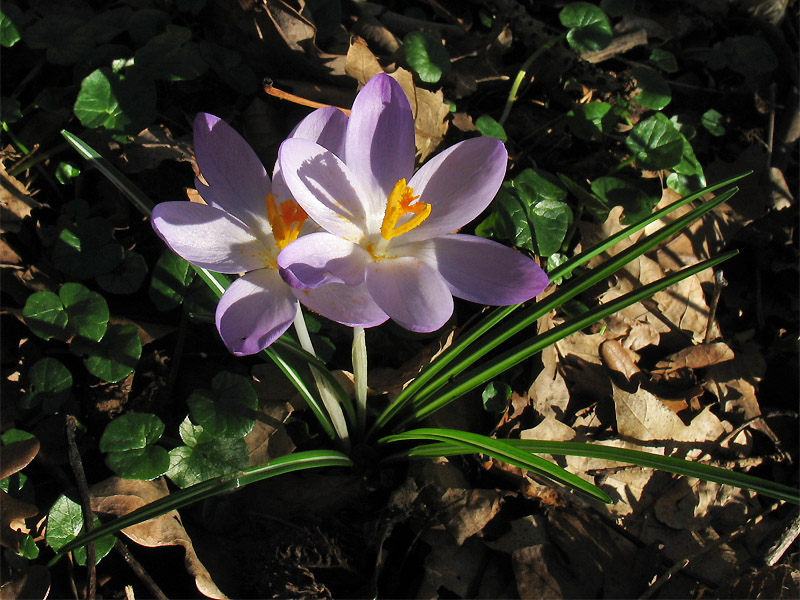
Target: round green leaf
x=45, y=316
x=535, y=185
x=65, y=523
x=749, y=55
x=145, y=463
x=205, y=456
x=127, y=277
x=115, y=356
x=713, y=122
x=490, y=128
x=118, y=103
x=664, y=60
x=170, y=56
x=64, y=37
x=591, y=120
x=65, y=171
x=86, y=249
x=654, y=92
x=655, y=143
x=426, y=55
x=170, y=281
x=87, y=310
x=636, y=203
x=131, y=431
x=49, y=384
x=227, y=409
x=551, y=220
x=589, y=27
x=495, y=396
x=10, y=24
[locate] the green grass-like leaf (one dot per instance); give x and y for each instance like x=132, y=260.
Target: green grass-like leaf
x=502, y=450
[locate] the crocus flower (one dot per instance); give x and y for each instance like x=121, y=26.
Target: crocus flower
x=246, y=221
x=387, y=230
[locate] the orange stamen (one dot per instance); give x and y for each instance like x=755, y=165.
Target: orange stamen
x=402, y=202
x=285, y=220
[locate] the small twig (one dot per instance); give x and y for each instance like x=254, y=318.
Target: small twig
x=787, y=539
x=137, y=568
x=618, y=45
x=719, y=283
x=283, y=95
x=770, y=127
x=680, y=565
x=86, y=508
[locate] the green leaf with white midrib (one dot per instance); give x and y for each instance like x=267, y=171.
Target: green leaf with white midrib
x=668, y=464
x=502, y=450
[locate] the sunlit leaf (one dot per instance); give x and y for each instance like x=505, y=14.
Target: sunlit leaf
x=488, y=126
x=115, y=356
x=65, y=522
x=654, y=91
x=170, y=281
x=589, y=27
x=116, y=102
x=49, y=384
x=204, y=456
x=426, y=55
x=655, y=143
x=10, y=24
x=713, y=121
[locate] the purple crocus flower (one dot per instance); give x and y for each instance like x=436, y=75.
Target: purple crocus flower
x=387, y=229
x=246, y=222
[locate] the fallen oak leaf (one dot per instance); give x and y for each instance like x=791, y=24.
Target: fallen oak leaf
x=118, y=497
x=13, y=511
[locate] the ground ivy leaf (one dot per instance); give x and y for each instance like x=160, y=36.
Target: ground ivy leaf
x=491, y=128
x=204, y=456
x=87, y=310
x=49, y=384
x=655, y=92
x=145, y=463
x=712, y=120
x=65, y=38
x=664, y=60
x=655, y=143
x=636, y=203
x=171, y=56
x=589, y=27
x=65, y=523
x=86, y=249
x=170, y=281
x=749, y=55
x=45, y=316
x=127, y=277
x=10, y=24
x=551, y=220
x=226, y=410
x=591, y=119
x=426, y=55
x=495, y=396
x=115, y=356
x=131, y=431
x=536, y=185
x=119, y=103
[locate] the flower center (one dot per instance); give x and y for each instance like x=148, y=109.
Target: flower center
x=285, y=220
x=402, y=202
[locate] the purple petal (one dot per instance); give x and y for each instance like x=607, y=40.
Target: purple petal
x=459, y=184
x=326, y=189
x=208, y=237
x=255, y=311
x=379, y=147
x=345, y=304
x=326, y=126
x=486, y=272
x=322, y=258
x=411, y=292
x=237, y=181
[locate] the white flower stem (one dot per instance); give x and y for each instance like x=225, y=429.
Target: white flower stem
x=360, y=375
x=327, y=395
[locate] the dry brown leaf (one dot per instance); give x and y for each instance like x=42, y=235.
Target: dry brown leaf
x=32, y=583
x=117, y=496
x=549, y=429
x=549, y=393
x=457, y=568
x=269, y=439
x=153, y=146
x=16, y=202
x=688, y=503
x=17, y=456
x=13, y=512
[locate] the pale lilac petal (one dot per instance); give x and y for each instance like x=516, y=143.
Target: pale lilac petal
x=255, y=311
x=349, y=305
x=379, y=146
x=208, y=237
x=237, y=181
x=325, y=188
x=322, y=258
x=326, y=126
x=459, y=184
x=486, y=272
x=411, y=292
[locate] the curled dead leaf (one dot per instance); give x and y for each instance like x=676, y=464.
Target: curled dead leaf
x=117, y=496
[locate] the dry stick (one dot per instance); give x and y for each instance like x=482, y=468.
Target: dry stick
x=86, y=508
x=139, y=570
x=680, y=565
x=775, y=553
x=719, y=283
x=273, y=91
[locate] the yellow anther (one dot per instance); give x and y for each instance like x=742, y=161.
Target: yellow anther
x=402, y=202
x=285, y=220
